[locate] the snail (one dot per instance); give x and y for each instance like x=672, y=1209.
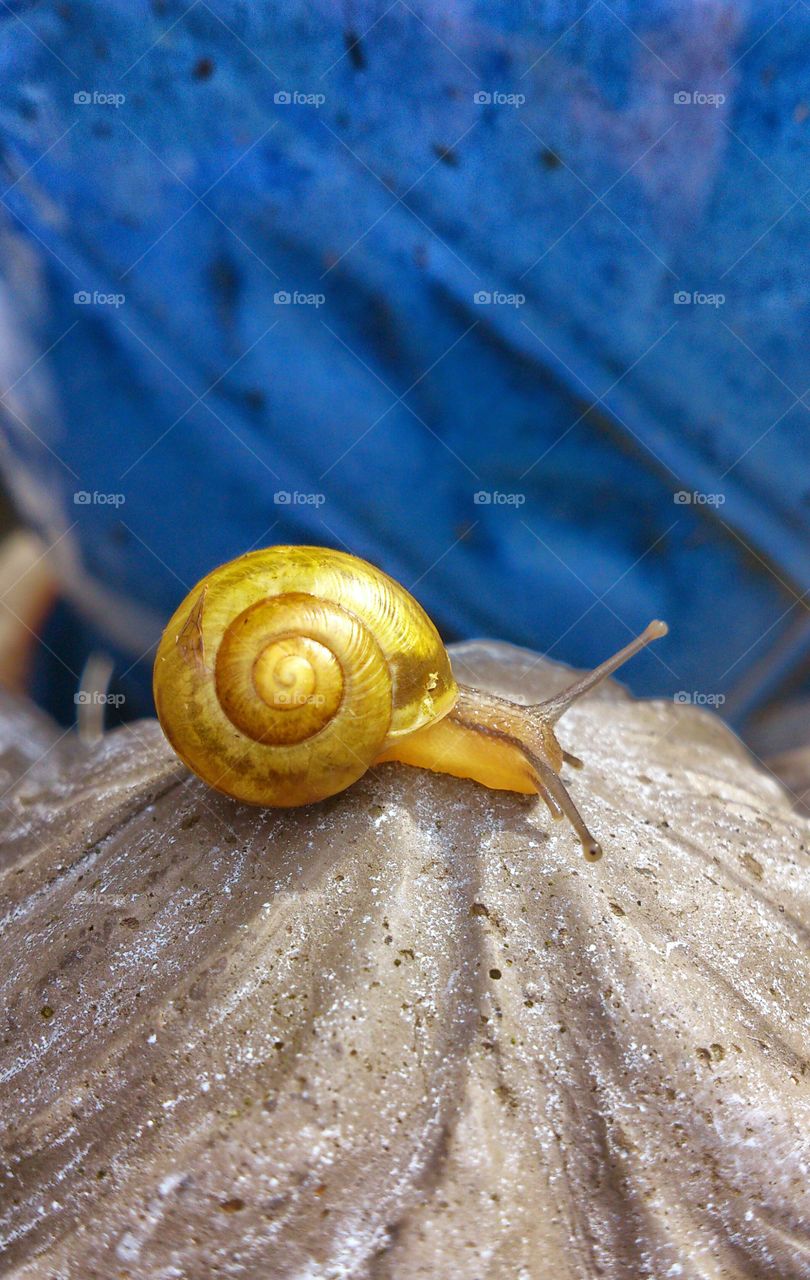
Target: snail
x=287, y=673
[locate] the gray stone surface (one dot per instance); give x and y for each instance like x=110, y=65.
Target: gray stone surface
x=409, y=1032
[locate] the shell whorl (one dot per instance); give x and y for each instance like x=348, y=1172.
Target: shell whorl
x=283, y=675
x=280, y=667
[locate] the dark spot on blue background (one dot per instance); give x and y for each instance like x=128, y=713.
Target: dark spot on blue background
x=255, y=399
x=226, y=284
x=446, y=154
x=355, y=50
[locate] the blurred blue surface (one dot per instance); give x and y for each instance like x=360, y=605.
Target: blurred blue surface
x=397, y=400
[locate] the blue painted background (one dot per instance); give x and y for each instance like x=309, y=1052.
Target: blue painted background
x=395, y=192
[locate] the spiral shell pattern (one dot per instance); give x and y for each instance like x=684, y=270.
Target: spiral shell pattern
x=284, y=674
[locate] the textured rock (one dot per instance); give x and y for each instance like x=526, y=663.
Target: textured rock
x=793, y=769
x=408, y=1032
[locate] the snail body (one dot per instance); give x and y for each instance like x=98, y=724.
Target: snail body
x=287, y=673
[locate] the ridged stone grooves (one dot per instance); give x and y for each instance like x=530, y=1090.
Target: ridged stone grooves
x=408, y=1032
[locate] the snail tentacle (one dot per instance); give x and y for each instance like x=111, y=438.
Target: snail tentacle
x=508, y=746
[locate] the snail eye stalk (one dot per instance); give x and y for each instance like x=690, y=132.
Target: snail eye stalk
x=511, y=747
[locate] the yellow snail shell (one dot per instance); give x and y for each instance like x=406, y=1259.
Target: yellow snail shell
x=285, y=673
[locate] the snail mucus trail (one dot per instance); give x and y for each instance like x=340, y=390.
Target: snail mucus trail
x=285, y=674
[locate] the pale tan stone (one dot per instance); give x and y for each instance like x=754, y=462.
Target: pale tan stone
x=409, y=1032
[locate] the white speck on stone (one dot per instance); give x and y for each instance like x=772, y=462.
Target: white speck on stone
x=128, y=1248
